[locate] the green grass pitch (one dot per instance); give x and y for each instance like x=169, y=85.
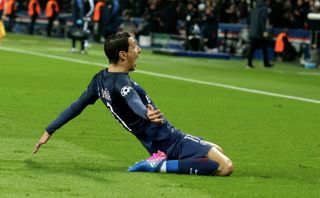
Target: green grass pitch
x=274, y=141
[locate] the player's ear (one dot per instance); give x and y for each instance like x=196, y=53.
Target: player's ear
x=122, y=55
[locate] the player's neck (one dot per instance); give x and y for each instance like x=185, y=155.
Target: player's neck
x=117, y=68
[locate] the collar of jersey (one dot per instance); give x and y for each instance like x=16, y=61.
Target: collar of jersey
x=106, y=71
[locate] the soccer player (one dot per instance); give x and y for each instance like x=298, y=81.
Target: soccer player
x=172, y=150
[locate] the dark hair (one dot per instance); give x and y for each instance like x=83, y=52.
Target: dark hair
x=114, y=44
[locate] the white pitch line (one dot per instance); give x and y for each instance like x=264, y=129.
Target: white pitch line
x=310, y=73
x=168, y=76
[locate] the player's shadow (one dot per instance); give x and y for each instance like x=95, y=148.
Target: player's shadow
x=297, y=174
x=73, y=168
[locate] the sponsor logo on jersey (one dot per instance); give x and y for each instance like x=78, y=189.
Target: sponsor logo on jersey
x=125, y=90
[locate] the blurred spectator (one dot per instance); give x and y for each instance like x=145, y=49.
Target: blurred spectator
x=258, y=33
x=280, y=43
x=83, y=9
x=191, y=17
x=77, y=33
x=300, y=11
x=34, y=11
x=221, y=8
x=138, y=7
x=52, y=11
x=2, y=5
x=78, y=11
x=110, y=18
x=243, y=12
x=276, y=14
x=196, y=20
x=97, y=22
x=210, y=29
x=288, y=14
x=169, y=17
x=87, y=23
x=193, y=28
x=228, y=12
x=154, y=17
x=314, y=6
x=127, y=24
x=315, y=36
x=2, y=29
x=11, y=13
x=283, y=48
x=144, y=27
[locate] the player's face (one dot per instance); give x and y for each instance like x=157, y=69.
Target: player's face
x=133, y=53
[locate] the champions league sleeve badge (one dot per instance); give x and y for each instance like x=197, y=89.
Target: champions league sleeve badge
x=125, y=90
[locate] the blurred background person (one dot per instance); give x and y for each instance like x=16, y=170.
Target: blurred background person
x=144, y=27
x=156, y=24
x=258, y=33
x=110, y=18
x=300, y=12
x=169, y=17
x=34, y=11
x=11, y=13
x=2, y=5
x=210, y=29
x=193, y=28
x=97, y=22
x=77, y=11
x=127, y=24
x=2, y=29
x=52, y=11
x=283, y=48
x=276, y=14
x=88, y=6
x=243, y=12
x=77, y=33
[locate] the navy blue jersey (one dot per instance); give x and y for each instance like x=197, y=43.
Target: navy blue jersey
x=120, y=93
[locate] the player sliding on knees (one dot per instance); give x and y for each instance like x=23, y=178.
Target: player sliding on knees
x=171, y=150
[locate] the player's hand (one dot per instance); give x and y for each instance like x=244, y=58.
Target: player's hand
x=45, y=137
x=154, y=116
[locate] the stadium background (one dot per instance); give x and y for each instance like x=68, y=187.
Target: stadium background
x=267, y=121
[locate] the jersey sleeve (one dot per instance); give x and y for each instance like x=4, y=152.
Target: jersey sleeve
x=125, y=89
x=89, y=96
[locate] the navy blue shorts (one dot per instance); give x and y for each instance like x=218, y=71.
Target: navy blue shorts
x=188, y=146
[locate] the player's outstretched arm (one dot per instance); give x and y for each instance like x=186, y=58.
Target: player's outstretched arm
x=45, y=137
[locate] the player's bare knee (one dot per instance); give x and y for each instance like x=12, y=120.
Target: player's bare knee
x=230, y=168
x=226, y=168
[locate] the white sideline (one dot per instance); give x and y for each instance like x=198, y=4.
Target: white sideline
x=168, y=76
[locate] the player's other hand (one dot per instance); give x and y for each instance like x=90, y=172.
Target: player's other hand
x=45, y=137
x=154, y=116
